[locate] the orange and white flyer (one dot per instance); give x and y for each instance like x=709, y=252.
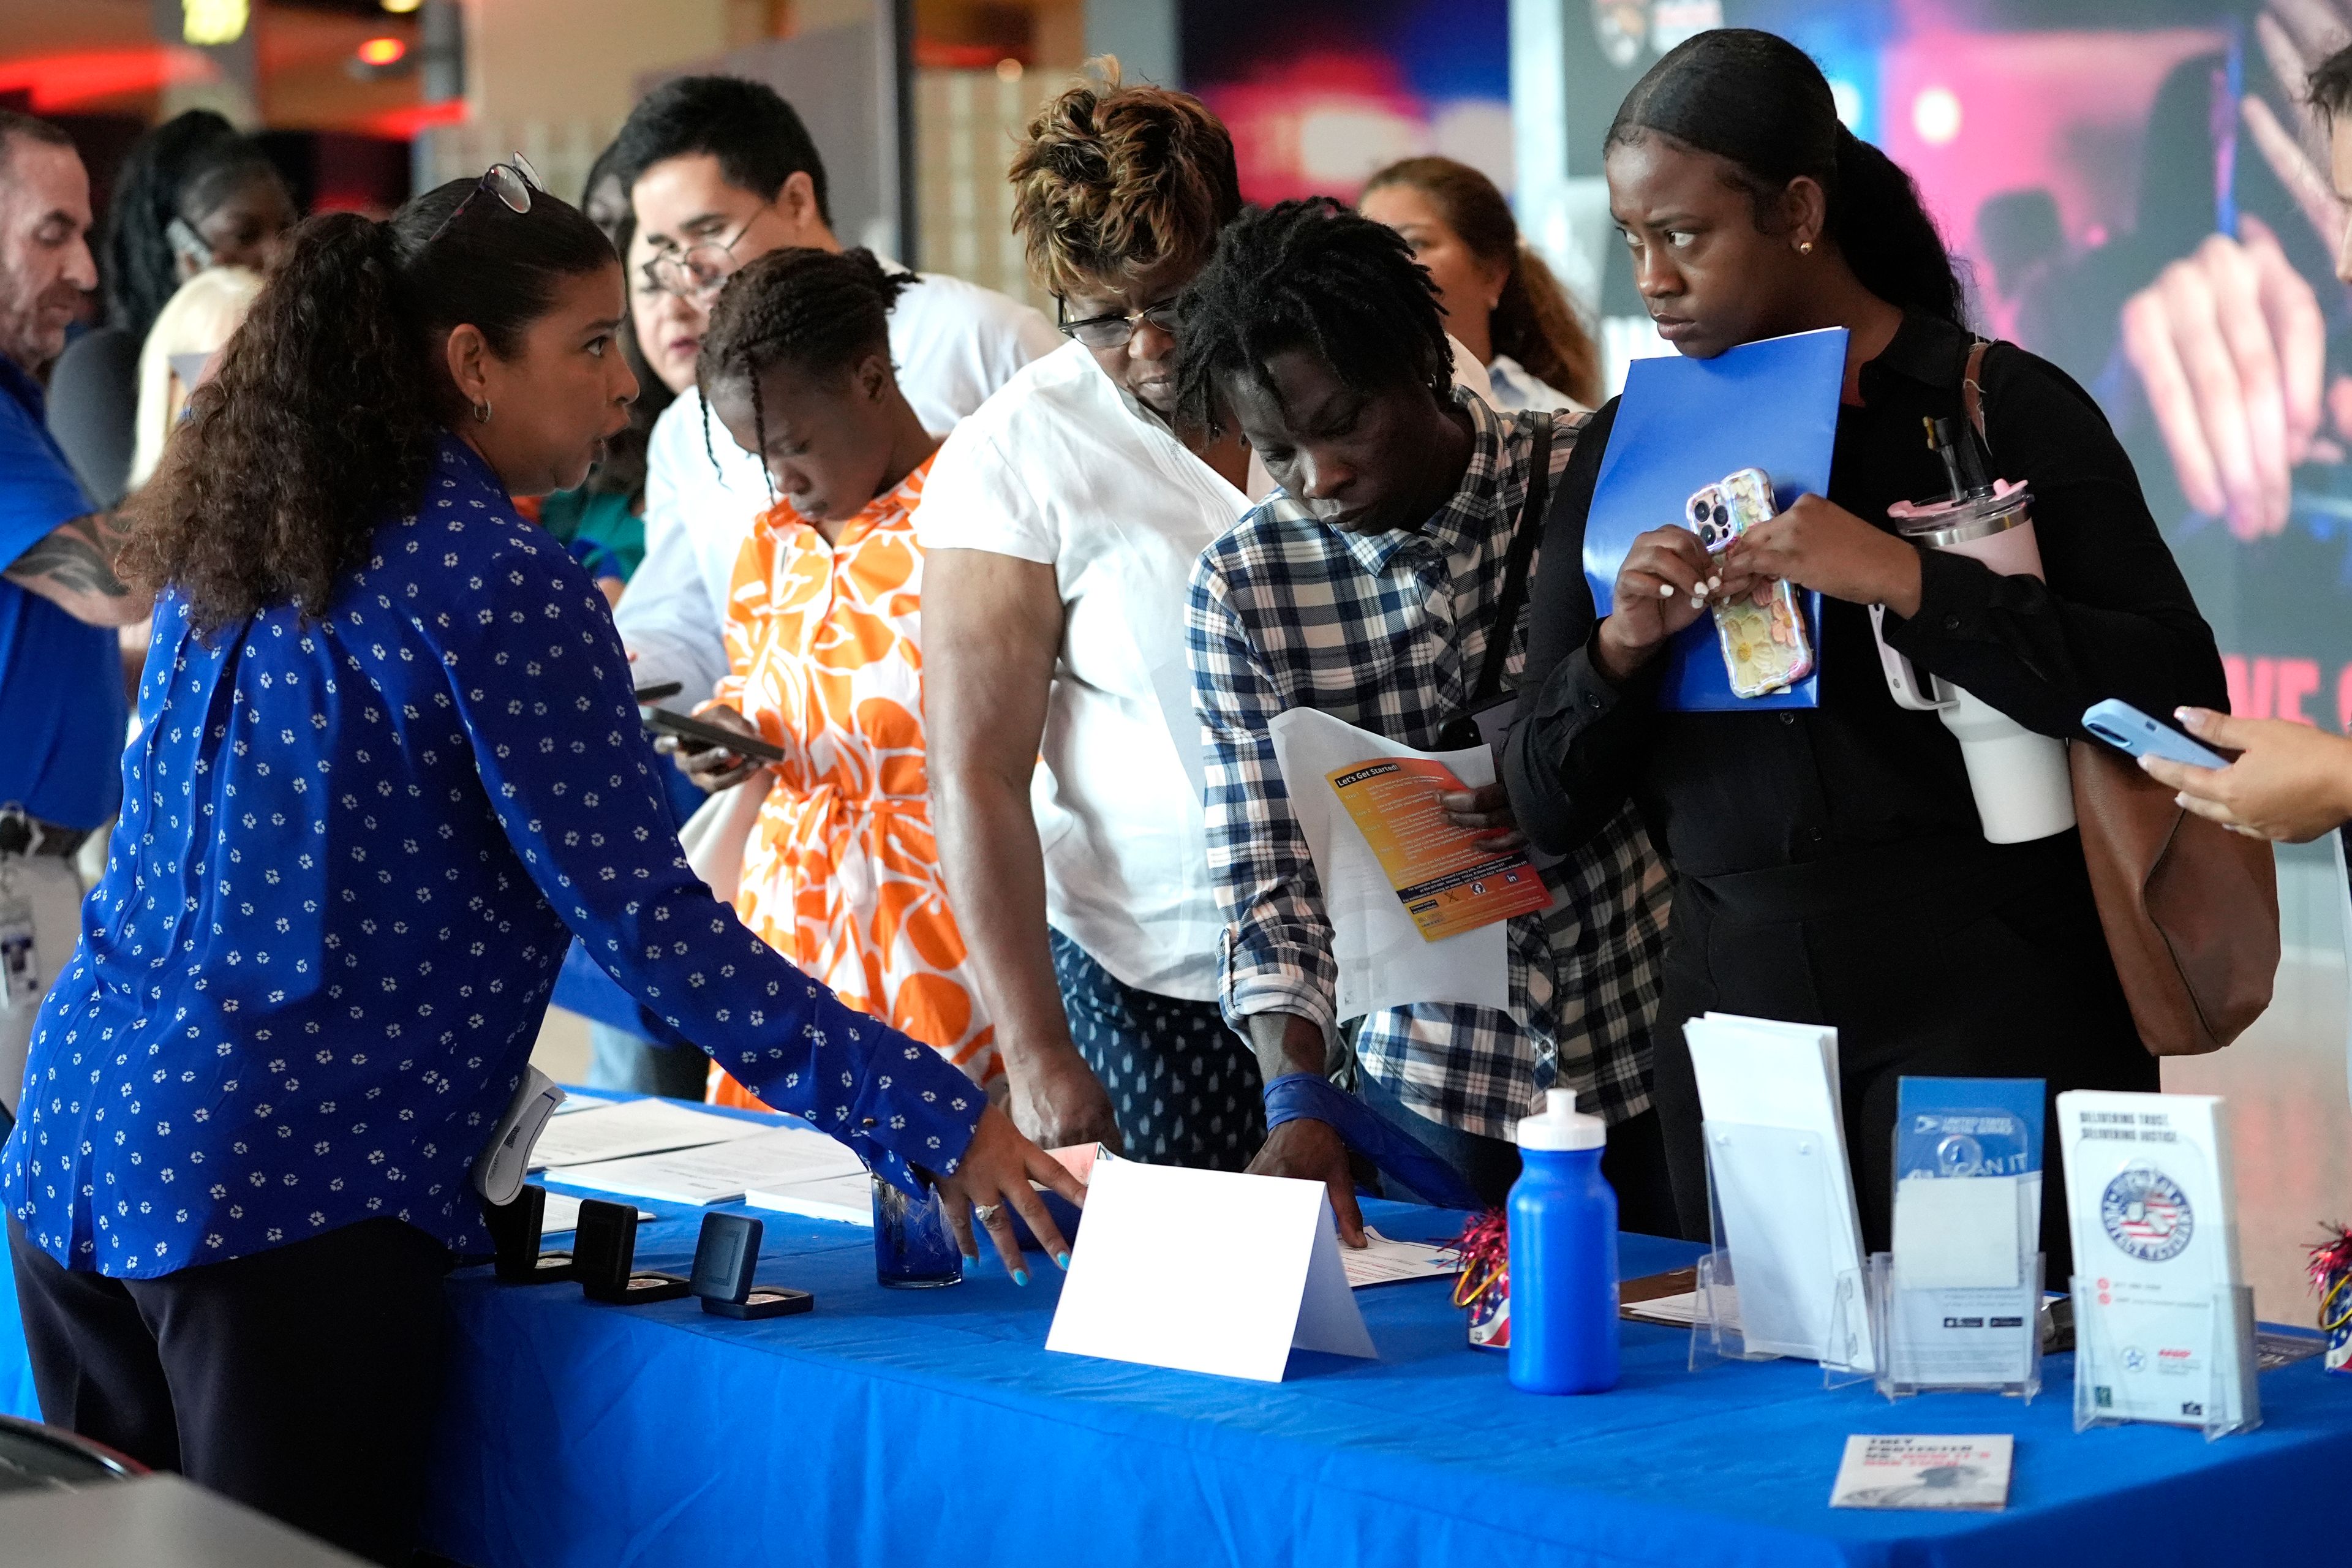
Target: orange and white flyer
x=1448, y=881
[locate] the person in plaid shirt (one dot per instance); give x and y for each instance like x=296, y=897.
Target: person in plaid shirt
x=1369, y=591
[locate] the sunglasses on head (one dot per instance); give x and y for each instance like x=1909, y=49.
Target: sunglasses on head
x=512, y=182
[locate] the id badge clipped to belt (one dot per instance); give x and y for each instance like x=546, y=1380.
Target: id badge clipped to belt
x=20, y=961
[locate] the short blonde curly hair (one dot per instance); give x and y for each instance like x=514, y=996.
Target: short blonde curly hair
x=1113, y=182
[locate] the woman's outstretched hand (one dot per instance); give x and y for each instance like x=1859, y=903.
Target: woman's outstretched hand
x=992, y=1181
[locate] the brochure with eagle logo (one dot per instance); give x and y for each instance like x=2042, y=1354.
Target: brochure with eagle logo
x=2156, y=1257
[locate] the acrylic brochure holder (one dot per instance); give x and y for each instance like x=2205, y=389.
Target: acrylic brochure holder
x=2107, y=1362
x=2002, y=1352
x=1760, y=1299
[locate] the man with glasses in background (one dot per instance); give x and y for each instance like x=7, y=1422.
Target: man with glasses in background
x=720, y=170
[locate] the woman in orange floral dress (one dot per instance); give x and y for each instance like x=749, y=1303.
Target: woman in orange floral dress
x=824, y=640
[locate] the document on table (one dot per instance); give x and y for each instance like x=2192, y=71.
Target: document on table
x=562, y=1214
x=845, y=1199
x=632, y=1127
x=1937, y=1472
x=719, y=1172
x=1384, y=1262
x=579, y=1099
x=1383, y=959
x=1775, y=1145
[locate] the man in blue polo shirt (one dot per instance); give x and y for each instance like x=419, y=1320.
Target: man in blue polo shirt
x=61, y=705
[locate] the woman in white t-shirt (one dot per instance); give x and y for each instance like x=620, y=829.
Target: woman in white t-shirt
x=1061, y=522
x=1500, y=300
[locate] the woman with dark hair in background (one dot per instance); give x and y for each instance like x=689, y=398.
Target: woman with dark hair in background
x=1830, y=866
x=1501, y=302
x=602, y=521
x=390, y=753
x=191, y=193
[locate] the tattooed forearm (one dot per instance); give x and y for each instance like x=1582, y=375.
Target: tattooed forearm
x=73, y=566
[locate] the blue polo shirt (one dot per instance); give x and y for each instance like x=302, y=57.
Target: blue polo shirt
x=62, y=710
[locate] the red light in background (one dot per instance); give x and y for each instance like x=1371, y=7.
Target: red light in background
x=383, y=51
x=59, y=83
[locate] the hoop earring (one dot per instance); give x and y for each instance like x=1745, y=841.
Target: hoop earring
x=482, y=412
x=1804, y=247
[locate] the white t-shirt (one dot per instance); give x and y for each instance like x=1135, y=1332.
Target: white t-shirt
x=954, y=343
x=1063, y=468
x=1511, y=387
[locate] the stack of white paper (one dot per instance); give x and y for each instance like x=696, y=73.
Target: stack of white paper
x=2150, y=1203
x=562, y=1214
x=719, y=1172
x=632, y=1127
x=846, y=1199
x=1776, y=1144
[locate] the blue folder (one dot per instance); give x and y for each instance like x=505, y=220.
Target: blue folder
x=1683, y=423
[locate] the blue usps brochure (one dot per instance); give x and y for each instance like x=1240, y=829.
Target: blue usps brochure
x=1684, y=424
x=1968, y=1127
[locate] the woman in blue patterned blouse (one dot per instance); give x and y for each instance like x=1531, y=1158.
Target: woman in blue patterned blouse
x=389, y=763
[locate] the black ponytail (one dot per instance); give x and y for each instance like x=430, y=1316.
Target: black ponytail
x=332, y=397
x=1760, y=104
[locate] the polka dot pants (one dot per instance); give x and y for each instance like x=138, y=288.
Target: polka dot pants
x=1184, y=1087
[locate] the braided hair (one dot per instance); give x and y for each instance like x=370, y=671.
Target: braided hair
x=1313, y=275
x=819, y=311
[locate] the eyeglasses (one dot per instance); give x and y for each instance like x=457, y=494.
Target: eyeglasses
x=512, y=182
x=698, y=271
x=1114, y=331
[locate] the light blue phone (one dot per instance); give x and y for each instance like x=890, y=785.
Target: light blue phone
x=2125, y=728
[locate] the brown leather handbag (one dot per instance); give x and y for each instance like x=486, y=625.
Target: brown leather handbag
x=2190, y=908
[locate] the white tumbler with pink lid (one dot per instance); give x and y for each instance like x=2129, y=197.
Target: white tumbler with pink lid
x=2019, y=778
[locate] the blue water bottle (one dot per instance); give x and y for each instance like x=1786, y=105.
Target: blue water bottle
x=1563, y=1282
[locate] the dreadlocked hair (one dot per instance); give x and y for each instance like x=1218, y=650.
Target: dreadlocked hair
x=1313, y=275
x=819, y=311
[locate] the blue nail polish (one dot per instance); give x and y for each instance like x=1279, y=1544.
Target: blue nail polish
x=1063, y=1259
x=1021, y=1277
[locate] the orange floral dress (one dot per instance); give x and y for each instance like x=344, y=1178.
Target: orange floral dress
x=841, y=874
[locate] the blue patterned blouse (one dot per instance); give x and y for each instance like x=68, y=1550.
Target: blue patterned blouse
x=338, y=897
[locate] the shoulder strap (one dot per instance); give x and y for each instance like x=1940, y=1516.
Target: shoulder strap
x=1524, y=539
x=1972, y=388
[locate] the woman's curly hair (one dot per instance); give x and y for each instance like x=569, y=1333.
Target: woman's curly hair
x=1112, y=182
x=324, y=415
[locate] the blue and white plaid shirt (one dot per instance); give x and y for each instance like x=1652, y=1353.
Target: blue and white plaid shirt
x=1388, y=631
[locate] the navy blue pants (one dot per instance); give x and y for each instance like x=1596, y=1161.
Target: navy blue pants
x=1184, y=1087
x=302, y=1381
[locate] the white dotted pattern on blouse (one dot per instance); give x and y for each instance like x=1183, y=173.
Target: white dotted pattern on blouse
x=336, y=901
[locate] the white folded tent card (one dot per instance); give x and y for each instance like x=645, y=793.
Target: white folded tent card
x=1206, y=1271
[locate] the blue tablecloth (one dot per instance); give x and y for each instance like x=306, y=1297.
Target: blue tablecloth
x=909, y=1428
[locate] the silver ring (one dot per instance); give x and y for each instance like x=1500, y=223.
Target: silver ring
x=986, y=1213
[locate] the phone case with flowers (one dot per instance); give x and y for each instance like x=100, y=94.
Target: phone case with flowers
x=1763, y=634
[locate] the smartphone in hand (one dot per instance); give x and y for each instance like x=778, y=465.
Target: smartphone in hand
x=2126, y=729
x=686, y=727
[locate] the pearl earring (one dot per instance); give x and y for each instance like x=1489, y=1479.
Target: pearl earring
x=1804, y=247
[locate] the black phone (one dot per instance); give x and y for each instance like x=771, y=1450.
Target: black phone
x=686, y=727
x=659, y=691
